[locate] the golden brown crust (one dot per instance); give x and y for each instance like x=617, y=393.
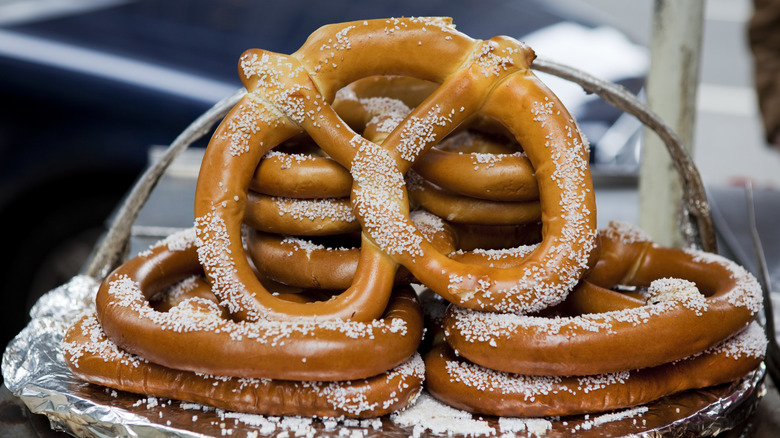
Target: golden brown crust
x=301, y=263
x=302, y=349
x=292, y=93
x=94, y=358
x=407, y=46
x=301, y=176
x=675, y=320
x=467, y=386
x=301, y=217
x=464, y=209
x=479, y=167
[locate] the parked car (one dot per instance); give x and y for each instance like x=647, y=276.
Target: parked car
x=86, y=89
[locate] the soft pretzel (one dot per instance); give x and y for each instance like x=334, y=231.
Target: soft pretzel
x=296, y=349
x=91, y=356
x=290, y=94
x=302, y=217
x=695, y=300
x=299, y=169
x=300, y=174
x=465, y=209
x=471, y=164
x=330, y=264
x=464, y=385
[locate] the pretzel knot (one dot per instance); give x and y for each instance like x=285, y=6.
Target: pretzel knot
x=689, y=324
x=693, y=301
x=289, y=94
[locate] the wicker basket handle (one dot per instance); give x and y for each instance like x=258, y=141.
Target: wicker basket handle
x=112, y=249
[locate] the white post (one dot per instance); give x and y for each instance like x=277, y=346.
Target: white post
x=671, y=93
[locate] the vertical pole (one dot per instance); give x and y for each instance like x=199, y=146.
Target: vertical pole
x=671, y=93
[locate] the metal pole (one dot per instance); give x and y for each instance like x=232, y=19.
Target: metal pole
x=671, y=93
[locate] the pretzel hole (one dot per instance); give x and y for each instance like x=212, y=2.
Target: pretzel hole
x=194, y=287
x=496, y=237
x=708, y=278
x=474, y=141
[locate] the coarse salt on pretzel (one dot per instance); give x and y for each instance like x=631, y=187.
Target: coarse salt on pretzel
x=297, y=349
x=302, y=217
x=300, y=175
x=331, y=264
x=474, y=165
x=465, y=209
x=91, y=356
x=299, y=169
x=695, y=300
x=288, y=94
x=464, y=385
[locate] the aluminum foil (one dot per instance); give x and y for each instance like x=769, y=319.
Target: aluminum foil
x=34, y=370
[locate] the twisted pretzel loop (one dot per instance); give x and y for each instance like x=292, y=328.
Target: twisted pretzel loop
x=94, y=358
x=479, y=167
x=695, y=300
x=464, y=385
x=298, y=349
x=290, y=93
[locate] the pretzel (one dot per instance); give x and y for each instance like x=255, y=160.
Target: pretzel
x=464, y=385
x=297, y=349
x=91, y=356
x=302, y=217
x=330, y=264
x=464, y=209
x=694, y=301
x=297, y=169
x=291, y=94
x=474, y=165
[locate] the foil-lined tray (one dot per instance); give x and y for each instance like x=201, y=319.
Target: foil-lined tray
x=34, y=370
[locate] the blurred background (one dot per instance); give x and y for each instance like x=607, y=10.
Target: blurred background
x=89, y=89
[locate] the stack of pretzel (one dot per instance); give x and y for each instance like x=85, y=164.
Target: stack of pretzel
x=390, y=152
